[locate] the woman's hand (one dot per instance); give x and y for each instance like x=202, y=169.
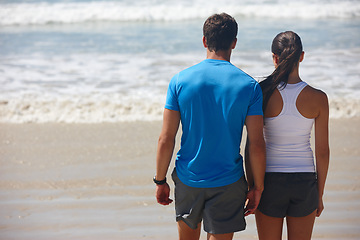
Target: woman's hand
x=320, y=207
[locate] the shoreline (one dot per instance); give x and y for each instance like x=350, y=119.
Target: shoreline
x=93, y=181
x=114, y=109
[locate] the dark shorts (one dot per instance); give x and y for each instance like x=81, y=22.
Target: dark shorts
x=289, y=194
x=221, y=209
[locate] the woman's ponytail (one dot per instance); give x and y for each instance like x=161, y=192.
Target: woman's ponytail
x=287, y=47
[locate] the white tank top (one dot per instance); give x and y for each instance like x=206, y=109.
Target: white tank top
x=287, y=136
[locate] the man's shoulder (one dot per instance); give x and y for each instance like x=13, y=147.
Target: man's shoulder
x=230, y=71
x=246, y=75
x=244, y=79
x=198, y=65
x=190, y=71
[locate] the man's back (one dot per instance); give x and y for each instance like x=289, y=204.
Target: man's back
x=214, y=98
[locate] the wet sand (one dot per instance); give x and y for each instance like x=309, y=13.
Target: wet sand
x=94, y=181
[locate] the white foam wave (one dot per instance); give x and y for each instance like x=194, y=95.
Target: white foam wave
x=75, y=109
x=79, y=12
x=92, y=88
x=111, y=108
x=344, y=108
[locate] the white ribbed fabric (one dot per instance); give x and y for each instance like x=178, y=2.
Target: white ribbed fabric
x=287, y=136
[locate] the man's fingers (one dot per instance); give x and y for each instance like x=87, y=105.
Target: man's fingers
x=164, y=201
x=249, y=211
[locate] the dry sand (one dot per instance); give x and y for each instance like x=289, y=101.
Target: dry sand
x=94, y=181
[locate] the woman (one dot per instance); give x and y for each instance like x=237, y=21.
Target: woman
x=293, y=185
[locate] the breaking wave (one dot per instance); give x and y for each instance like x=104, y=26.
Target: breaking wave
x=41, y=13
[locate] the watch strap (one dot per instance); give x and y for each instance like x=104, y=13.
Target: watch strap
x=159, y=182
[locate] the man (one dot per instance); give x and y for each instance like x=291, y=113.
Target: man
x=213, y=100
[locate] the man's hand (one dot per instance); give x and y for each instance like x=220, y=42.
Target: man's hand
x=252, y=201
x=162, y=194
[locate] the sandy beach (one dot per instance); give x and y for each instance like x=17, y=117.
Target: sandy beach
x=94, y=181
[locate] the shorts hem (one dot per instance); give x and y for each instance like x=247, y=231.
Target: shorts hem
x=302, y=214
x=271, y=215
x=227, y=231
x=286, y=215
x=187, y=222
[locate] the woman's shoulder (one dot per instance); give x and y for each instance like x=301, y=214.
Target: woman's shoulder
x=312, y=92
x=315, y=97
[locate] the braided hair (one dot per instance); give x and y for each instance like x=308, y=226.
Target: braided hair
x=288, y=47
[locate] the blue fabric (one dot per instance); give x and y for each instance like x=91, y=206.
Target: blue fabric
x=213, y=97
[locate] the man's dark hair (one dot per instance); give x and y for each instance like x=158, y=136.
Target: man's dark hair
x=220, y=31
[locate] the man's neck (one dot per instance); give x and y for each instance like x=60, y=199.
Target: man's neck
x=219, y=55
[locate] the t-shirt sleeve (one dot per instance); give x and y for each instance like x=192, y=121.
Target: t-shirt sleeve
x=255, y=107
x=171, y=97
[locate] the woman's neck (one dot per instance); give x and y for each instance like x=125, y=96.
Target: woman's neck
x=294, y=76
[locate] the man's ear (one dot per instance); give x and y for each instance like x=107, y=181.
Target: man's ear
x=234, y=43
x=204, y=42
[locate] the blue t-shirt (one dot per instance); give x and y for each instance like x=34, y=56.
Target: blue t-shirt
x=213, y=98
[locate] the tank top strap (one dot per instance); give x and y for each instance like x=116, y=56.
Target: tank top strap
x=289, y=95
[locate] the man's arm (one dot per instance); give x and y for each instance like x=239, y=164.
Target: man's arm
x=248, y=170
x=165, y=150
x=255, y=162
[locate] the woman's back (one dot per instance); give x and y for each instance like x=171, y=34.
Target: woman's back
x=294, y=185
x=288, y=122
x=308, y=103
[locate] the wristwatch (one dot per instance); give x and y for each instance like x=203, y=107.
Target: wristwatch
x=157, y=182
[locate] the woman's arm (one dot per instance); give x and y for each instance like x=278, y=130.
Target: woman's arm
x=322, y=151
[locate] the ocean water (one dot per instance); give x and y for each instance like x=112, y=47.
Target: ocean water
x=87, y=61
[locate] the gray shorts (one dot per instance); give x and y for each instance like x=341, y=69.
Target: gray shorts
x=221, y=209
x=289, y=194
